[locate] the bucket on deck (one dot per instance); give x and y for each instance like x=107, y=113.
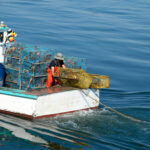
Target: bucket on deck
x=2, y=75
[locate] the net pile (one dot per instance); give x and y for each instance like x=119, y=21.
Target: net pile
x=73, y=77
x=99, y=81
x=80, y=79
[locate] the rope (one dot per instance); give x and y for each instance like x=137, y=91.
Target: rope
x=119, y=113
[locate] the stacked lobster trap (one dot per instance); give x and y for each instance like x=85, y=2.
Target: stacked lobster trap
x=26, y=66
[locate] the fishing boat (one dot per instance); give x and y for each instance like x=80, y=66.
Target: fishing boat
x=33, y=101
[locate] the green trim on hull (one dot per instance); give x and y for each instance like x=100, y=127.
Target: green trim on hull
x=17, y=94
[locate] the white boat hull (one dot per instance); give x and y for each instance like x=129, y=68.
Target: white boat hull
x=49, y=105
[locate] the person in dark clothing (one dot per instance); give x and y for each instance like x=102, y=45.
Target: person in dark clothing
x=52, y=68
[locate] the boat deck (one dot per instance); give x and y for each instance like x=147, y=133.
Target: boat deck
x=33, y=94
x=46, y=91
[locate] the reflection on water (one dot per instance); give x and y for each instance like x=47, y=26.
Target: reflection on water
x=38, y=132
x=21, y=133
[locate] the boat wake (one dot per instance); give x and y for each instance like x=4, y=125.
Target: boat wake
x=83, y=129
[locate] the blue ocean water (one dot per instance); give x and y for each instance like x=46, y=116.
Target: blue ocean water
x=114, y=37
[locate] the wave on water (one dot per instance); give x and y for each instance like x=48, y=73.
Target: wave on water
x=83, y=129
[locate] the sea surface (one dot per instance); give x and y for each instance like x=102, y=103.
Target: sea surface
x=114, y=36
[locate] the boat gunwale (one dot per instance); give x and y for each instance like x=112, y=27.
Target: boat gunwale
x=4, y=92
x=34, y=94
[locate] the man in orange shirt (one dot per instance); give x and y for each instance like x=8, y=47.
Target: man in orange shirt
x=52, y=68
